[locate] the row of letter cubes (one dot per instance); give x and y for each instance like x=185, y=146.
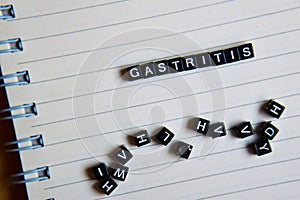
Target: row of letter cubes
x=190, y=62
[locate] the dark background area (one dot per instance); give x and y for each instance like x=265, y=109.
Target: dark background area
x=9, y=162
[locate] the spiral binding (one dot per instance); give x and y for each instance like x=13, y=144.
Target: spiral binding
x=29, y=110
x=7, y=12
x=12, y=45
x=22, y=77
x=42, y=174
x=36, y=142
x=25, y=110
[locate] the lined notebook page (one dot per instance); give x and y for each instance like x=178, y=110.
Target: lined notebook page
x=74, y=52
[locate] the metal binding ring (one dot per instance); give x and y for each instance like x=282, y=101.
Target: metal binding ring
x=30, y=110
x=36, y=142
x=42, y=174
x=23, y=79
x=14, y=45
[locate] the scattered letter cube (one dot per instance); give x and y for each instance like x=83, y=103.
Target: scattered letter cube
x=123, y=155
x=202, y=125
x=100, y=171
x=269, y=130
x=262, y=147
x=217, y=130
x=165, y=136
x=119, y=172
x=142, y=138
x=184, y=150
x=274, y=109
x=108, y=185
x=244, y=129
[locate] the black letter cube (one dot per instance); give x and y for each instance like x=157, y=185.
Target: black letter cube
x=217, y=57
x=108, y=185
x=202, y=125
x=246, y=51
x=123, y=155
x=217, y=130
x=148, y=70
x=262, y=147
x=119, y=172
x=176, y=65
x=244, y=129
x=231, y=55
x=269, y=130
x=100, y=171
x=134, y=73
x=274, y=109
x=184, y=150
x=142, y=138
x=165, y=136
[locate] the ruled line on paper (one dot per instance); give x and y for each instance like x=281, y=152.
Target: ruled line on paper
x=203, y=177
x=129, y=21
x=252, y=188
x=66, y=11
x=170, y=120
x=164, y=36
x=188, y=53
x=169, y=99
x=150, y=145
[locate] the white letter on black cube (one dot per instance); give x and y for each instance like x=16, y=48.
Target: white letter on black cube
x=246, y=51
x=148, y=70
x=275, y=109
x=203, y=60
x=231, y=55
x=189, y=62
x=161, y=67
x=108, y=185
x=262, y=147
x=142, y=138
x=184, y=150
x=119, y=172
x=165, y=136
x=134, y=73
x=175, y=65
x=217, y=57
x=123, y=155
x=244, y=129
x=100, y=171
x=202, y=125
x=217, y=130
x=269, y=130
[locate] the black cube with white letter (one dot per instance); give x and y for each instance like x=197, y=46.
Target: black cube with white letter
x=246, y=51
x=202, y=125
x=123, y=155
x=108, y=186
x=148, y=70
x=134, y=73
x=142, y=138
x=269, y=130
x=217, y=130
x=119, y=172
x=101, y=171
x=184, y=149
x=274, y=109
x=244, y=129
x=263, y=147
x=165, y=136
